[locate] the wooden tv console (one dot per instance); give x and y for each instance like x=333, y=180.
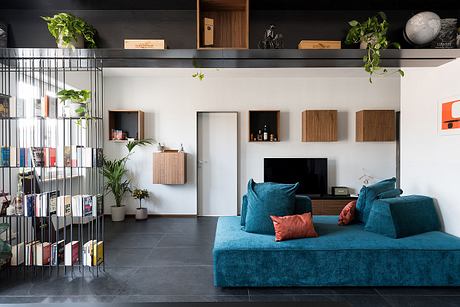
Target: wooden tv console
x=330, y=205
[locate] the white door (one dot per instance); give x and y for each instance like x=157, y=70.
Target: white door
x=217, y=163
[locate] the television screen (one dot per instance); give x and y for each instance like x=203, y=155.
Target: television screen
x=310, y=173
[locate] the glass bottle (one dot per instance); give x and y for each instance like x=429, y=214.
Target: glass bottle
x=18, y=201
x=265, y=133
x=259, y=135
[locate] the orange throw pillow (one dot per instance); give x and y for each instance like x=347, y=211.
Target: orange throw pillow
x=293, y=227
x=348, y=213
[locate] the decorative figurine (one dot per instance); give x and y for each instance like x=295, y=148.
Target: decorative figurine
x=271, y=40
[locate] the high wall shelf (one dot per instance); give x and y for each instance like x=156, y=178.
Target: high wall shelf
x=52, y=173
x=258, y=120
x=250, y=58
x=130, y=122
x=319, y=126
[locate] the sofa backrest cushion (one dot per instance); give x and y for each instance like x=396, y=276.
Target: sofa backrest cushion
x=267, y=199
x=403, y=216
x=302, y=205
x=368, y=194
x=390, y=194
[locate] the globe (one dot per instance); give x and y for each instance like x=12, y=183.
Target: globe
x=422, y=28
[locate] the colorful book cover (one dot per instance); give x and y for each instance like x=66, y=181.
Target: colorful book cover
x=29, y=205
x=51, y=157
x=98, y=204
x=68, y=156
x=77, y=205
x=4, y=106
x=22, y=157
x=87, y=205
x=57, y=252
x=45, y=106
x=98, y=253
x=38, y=156
x=71, y=253
x=67, y=205
x=52, y=202
x=5, y=156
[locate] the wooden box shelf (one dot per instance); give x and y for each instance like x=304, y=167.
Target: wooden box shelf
x=319, y=126
x=375, y=126
x=129, y=121
x=169, y=168
x=222, y=24
x=258, y=119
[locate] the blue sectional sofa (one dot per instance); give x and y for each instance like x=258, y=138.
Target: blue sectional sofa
x=340, y=256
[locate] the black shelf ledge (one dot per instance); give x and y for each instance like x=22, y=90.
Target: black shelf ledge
x=238, y=58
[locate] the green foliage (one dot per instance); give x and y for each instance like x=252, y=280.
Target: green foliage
x=372, y=32
x=67, y=27
x=198, y=75
x=140, y=194
x=116, y=173
x=80, y=97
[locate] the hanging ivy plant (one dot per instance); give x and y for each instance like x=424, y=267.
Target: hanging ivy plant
x=372, y=35
x=80, y=98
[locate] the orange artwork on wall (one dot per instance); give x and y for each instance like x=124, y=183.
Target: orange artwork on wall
x=450, y=115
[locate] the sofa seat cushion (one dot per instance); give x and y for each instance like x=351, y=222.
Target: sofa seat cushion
x=340, y=256
x=266, y=199
x=403, y=216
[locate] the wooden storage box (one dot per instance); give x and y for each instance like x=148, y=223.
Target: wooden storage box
x=316, y=44
x=319, y=126
x=169, y=168
x=375, y=126
x=145, y=44
x=129, y=121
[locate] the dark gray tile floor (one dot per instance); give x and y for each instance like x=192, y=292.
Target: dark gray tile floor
x=169, y=260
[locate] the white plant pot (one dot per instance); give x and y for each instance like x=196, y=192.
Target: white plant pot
x=365, y=41
x=71, y=107
x=79, y=43
x=141, y=214
x=118, y=213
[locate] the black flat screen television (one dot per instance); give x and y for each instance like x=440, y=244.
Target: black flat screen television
x=311, y=173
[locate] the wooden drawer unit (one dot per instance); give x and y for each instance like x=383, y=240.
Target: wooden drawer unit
x=329, y=206
x=169, y=168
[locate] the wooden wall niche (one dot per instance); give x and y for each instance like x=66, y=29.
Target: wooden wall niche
x=169, y=168
x=257, y=120
x=375, y=126
x=230, y=23
x=319, y=126
x=129, y=121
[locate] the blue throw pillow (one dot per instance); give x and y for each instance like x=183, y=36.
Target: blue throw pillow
x=390, y=194
x=403, y=216
x=266, y=199
x=368, y=194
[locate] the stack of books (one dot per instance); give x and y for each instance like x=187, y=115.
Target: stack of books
x=93, y=253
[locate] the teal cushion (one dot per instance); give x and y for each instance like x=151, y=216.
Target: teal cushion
x=266, y=199
x=368, y=194
x=390, y=194
x=403, y=216
x=302, y=205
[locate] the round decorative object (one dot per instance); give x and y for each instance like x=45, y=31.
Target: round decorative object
x=422, y=28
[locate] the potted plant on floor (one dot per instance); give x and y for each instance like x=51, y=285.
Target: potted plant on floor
x=76, y=104
x=116, y=179
x=372, y=36
x=70, y=31
x=141, y=213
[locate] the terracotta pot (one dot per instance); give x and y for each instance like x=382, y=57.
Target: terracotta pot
x=118, y=213
x=141, y=214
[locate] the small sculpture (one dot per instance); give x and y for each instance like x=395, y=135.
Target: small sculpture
x=271, y=40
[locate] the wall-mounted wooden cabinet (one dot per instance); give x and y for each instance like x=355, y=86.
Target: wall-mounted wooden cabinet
x=258, y=120
x=129, y=122
x=222, y=24
x=375, y=126
x=169, y=168
x=319, y=126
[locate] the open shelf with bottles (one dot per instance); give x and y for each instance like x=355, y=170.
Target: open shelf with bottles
x=264, y=126
x=51, y=186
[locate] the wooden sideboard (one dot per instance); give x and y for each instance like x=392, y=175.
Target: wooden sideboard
x=330, y=205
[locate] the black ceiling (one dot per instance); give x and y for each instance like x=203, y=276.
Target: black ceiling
x=412, y=5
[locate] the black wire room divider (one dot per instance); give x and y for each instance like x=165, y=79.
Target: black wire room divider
x=51, y=142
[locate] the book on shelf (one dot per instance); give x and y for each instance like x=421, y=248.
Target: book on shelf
x=71, y=253
x=93, y=253
x=49, y=156
x=67, y=156
x=38, y=156
x=37, y=103
x=52, y=202
x=87, y=157
x=42, y=253
x=29, y=205
x=64, y=205
x=30, y=254
x=4, y=106
x=98, y=157
x=87, y=202
x=97, y=204
x=17, y=252
x=45, y=105
x=52, y=107
x=77, y=205
x=13, y=157
x=5, y=156
x=57, y=252
x=38, y=204
x=18, y=107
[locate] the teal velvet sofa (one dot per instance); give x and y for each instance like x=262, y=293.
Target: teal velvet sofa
x=340, y=256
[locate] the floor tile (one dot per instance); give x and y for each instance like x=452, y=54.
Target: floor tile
x=346, y=300
x=435, y=291
x=312, y=290
x=136, y=240
x=126, y=257
x=423, y=301
x=196, y=255
x=186, y=240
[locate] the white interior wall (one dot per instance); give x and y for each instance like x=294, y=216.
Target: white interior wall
x=170, y=99
x=430, y=163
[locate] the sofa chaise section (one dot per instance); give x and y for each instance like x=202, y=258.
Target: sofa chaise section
x=340, y=256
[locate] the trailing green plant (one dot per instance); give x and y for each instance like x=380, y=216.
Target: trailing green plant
x=140, y=194
x=372, y=33
x=116, y=174
x=199, y=75
x=67, y=28
x=80, y=97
